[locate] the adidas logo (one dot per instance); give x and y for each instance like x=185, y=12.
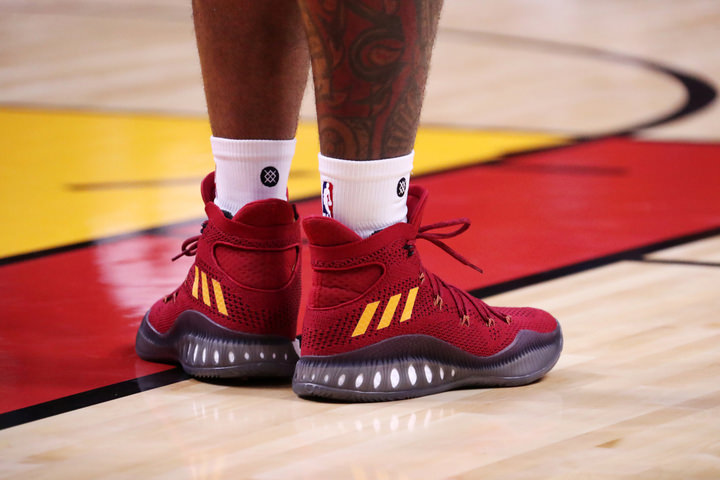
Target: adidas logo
x=201, y=283
x=387, y=314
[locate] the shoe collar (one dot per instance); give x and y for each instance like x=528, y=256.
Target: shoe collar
x=329, y=234
x=417, y=198
x=254, y=218
x=207, y=188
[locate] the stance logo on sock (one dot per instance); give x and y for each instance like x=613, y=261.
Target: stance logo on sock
x=401, y=187
x=269, y=176
x=327, y=199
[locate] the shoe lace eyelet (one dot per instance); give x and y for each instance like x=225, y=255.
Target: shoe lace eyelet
x=171, y=297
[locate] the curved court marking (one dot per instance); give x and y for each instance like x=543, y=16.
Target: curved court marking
x=699, y=95
x=81, y=193
x=703, y=95
x=699, y=92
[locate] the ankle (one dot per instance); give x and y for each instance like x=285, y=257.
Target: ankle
x=250, y=170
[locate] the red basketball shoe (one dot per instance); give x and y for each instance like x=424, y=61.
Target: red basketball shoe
x=235, y=314
x=379, y=326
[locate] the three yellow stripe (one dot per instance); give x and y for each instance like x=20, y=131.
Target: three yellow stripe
x=361, y=326
x=217, y=290
x=388, y=313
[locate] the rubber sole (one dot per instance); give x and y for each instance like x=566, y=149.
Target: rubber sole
x=416, y=365
x=207, y=350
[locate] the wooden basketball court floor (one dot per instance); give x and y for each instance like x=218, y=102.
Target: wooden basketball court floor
x=581, y=138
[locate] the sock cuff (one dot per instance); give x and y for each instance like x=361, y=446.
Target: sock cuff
x=228, y=148
x=365, y=196
x=249, y=170
x=365, y=170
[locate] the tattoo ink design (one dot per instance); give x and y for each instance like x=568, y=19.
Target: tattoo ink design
x=370, y=63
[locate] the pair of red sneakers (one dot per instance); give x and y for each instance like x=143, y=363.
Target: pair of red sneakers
x=378, y=326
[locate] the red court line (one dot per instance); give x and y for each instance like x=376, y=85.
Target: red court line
x=70, y=318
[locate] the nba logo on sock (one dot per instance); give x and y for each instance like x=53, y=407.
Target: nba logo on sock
x=327, y=199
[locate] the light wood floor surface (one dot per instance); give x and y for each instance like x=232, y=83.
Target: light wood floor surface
x=636, y=393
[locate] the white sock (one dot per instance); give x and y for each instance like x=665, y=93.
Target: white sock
x=249, y=170
x=366, y=196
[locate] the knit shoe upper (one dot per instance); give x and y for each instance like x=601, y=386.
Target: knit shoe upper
x=373, y=299
x=244, y=283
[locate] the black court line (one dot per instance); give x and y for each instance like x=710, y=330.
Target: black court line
x=693, y=263
x=172, y=182
x=499, y=162
x=167, y=228
x=91, y=397
x=161, y=230
x=699, y=94
x=130, y=387
x=127, y=184
x=569, y=169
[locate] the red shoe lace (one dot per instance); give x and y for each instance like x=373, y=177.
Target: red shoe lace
x=188, y=248
x=462, y=300
x=190, y=245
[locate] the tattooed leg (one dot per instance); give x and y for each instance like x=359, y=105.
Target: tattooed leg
x=370, y=63
x=255, y=62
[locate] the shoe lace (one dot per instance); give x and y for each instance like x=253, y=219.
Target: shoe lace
x=188, y=248
x=463, y=301
x=190, y=245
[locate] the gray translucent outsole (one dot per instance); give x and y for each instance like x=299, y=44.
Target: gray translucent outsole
x=417, y=365
x=206, y=349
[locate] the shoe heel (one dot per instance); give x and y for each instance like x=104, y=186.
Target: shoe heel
x=221, y=358
x=207, y=350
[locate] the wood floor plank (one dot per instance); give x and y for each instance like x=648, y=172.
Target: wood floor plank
x=634, y=395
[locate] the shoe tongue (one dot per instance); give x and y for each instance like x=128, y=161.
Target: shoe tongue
x=207, y=188
x=266, y=213
x=326, y=232
x=417, y=197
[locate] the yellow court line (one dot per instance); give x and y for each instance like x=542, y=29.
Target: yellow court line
x=49, y=156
